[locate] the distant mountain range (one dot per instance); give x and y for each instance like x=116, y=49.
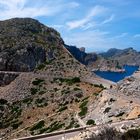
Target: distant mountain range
x=112, y=60
x=127, y=56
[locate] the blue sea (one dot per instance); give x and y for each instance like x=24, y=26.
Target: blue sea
x=117, y=76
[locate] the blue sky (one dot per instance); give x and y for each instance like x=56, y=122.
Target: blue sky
x=96, y=25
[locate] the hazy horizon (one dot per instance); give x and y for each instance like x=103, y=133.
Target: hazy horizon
x=97, y=25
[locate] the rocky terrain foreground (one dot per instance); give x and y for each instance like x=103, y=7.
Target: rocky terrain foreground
x=121, y=102
x=116, y=112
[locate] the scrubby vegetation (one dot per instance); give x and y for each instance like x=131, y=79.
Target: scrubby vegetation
x=69, y=81
x=3, y=101
x=37, y=81
x=90, y=122
x=83, y=108
x=38, y=125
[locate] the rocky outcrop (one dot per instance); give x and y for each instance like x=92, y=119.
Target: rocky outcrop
x=7, y=77
x=81, y=55
x=25, y=43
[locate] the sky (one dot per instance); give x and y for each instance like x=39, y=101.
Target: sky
x=97, y=25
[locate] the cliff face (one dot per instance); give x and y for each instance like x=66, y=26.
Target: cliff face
x=81, y=55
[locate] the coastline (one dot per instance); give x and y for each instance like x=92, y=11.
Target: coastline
x=109, y=70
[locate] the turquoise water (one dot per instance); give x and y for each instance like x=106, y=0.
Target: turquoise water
x=116, y=76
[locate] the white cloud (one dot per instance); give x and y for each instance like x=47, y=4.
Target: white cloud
x=136, y=36
x=122, y=35
x=95, y=11
x=28, y=8
x=108, y=19
x=98, y=24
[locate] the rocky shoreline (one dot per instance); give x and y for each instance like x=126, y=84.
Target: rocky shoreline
x=109, y=70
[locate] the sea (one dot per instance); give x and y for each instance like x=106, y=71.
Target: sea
x=117, y=76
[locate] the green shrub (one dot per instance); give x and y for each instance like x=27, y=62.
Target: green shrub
x=83, y=111
x=95, y=94
x=55, y=126
x=77, y=126
x=76, y=89
x=41, y=66
x=83, y=104
x=3, y=101
x=33, y=91
x=37, y=81
x=120, y=114
x=37, y=126
x=16, y=125
x=41, y=92
x=27, y=100
x=70, y=125
x=69, y=81
x=107, y=110
x=100, y=86
x=43, y=130
x=41, y=102
x=90, y=122
x=62, y=108
x=83, y=108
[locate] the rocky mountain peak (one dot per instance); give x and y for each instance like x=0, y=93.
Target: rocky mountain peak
x=25, y=43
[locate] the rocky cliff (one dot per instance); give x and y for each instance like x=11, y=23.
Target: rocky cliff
x=25, y=43
x=81, y=55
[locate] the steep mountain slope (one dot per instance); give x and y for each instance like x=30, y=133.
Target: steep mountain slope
x=52, y=86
